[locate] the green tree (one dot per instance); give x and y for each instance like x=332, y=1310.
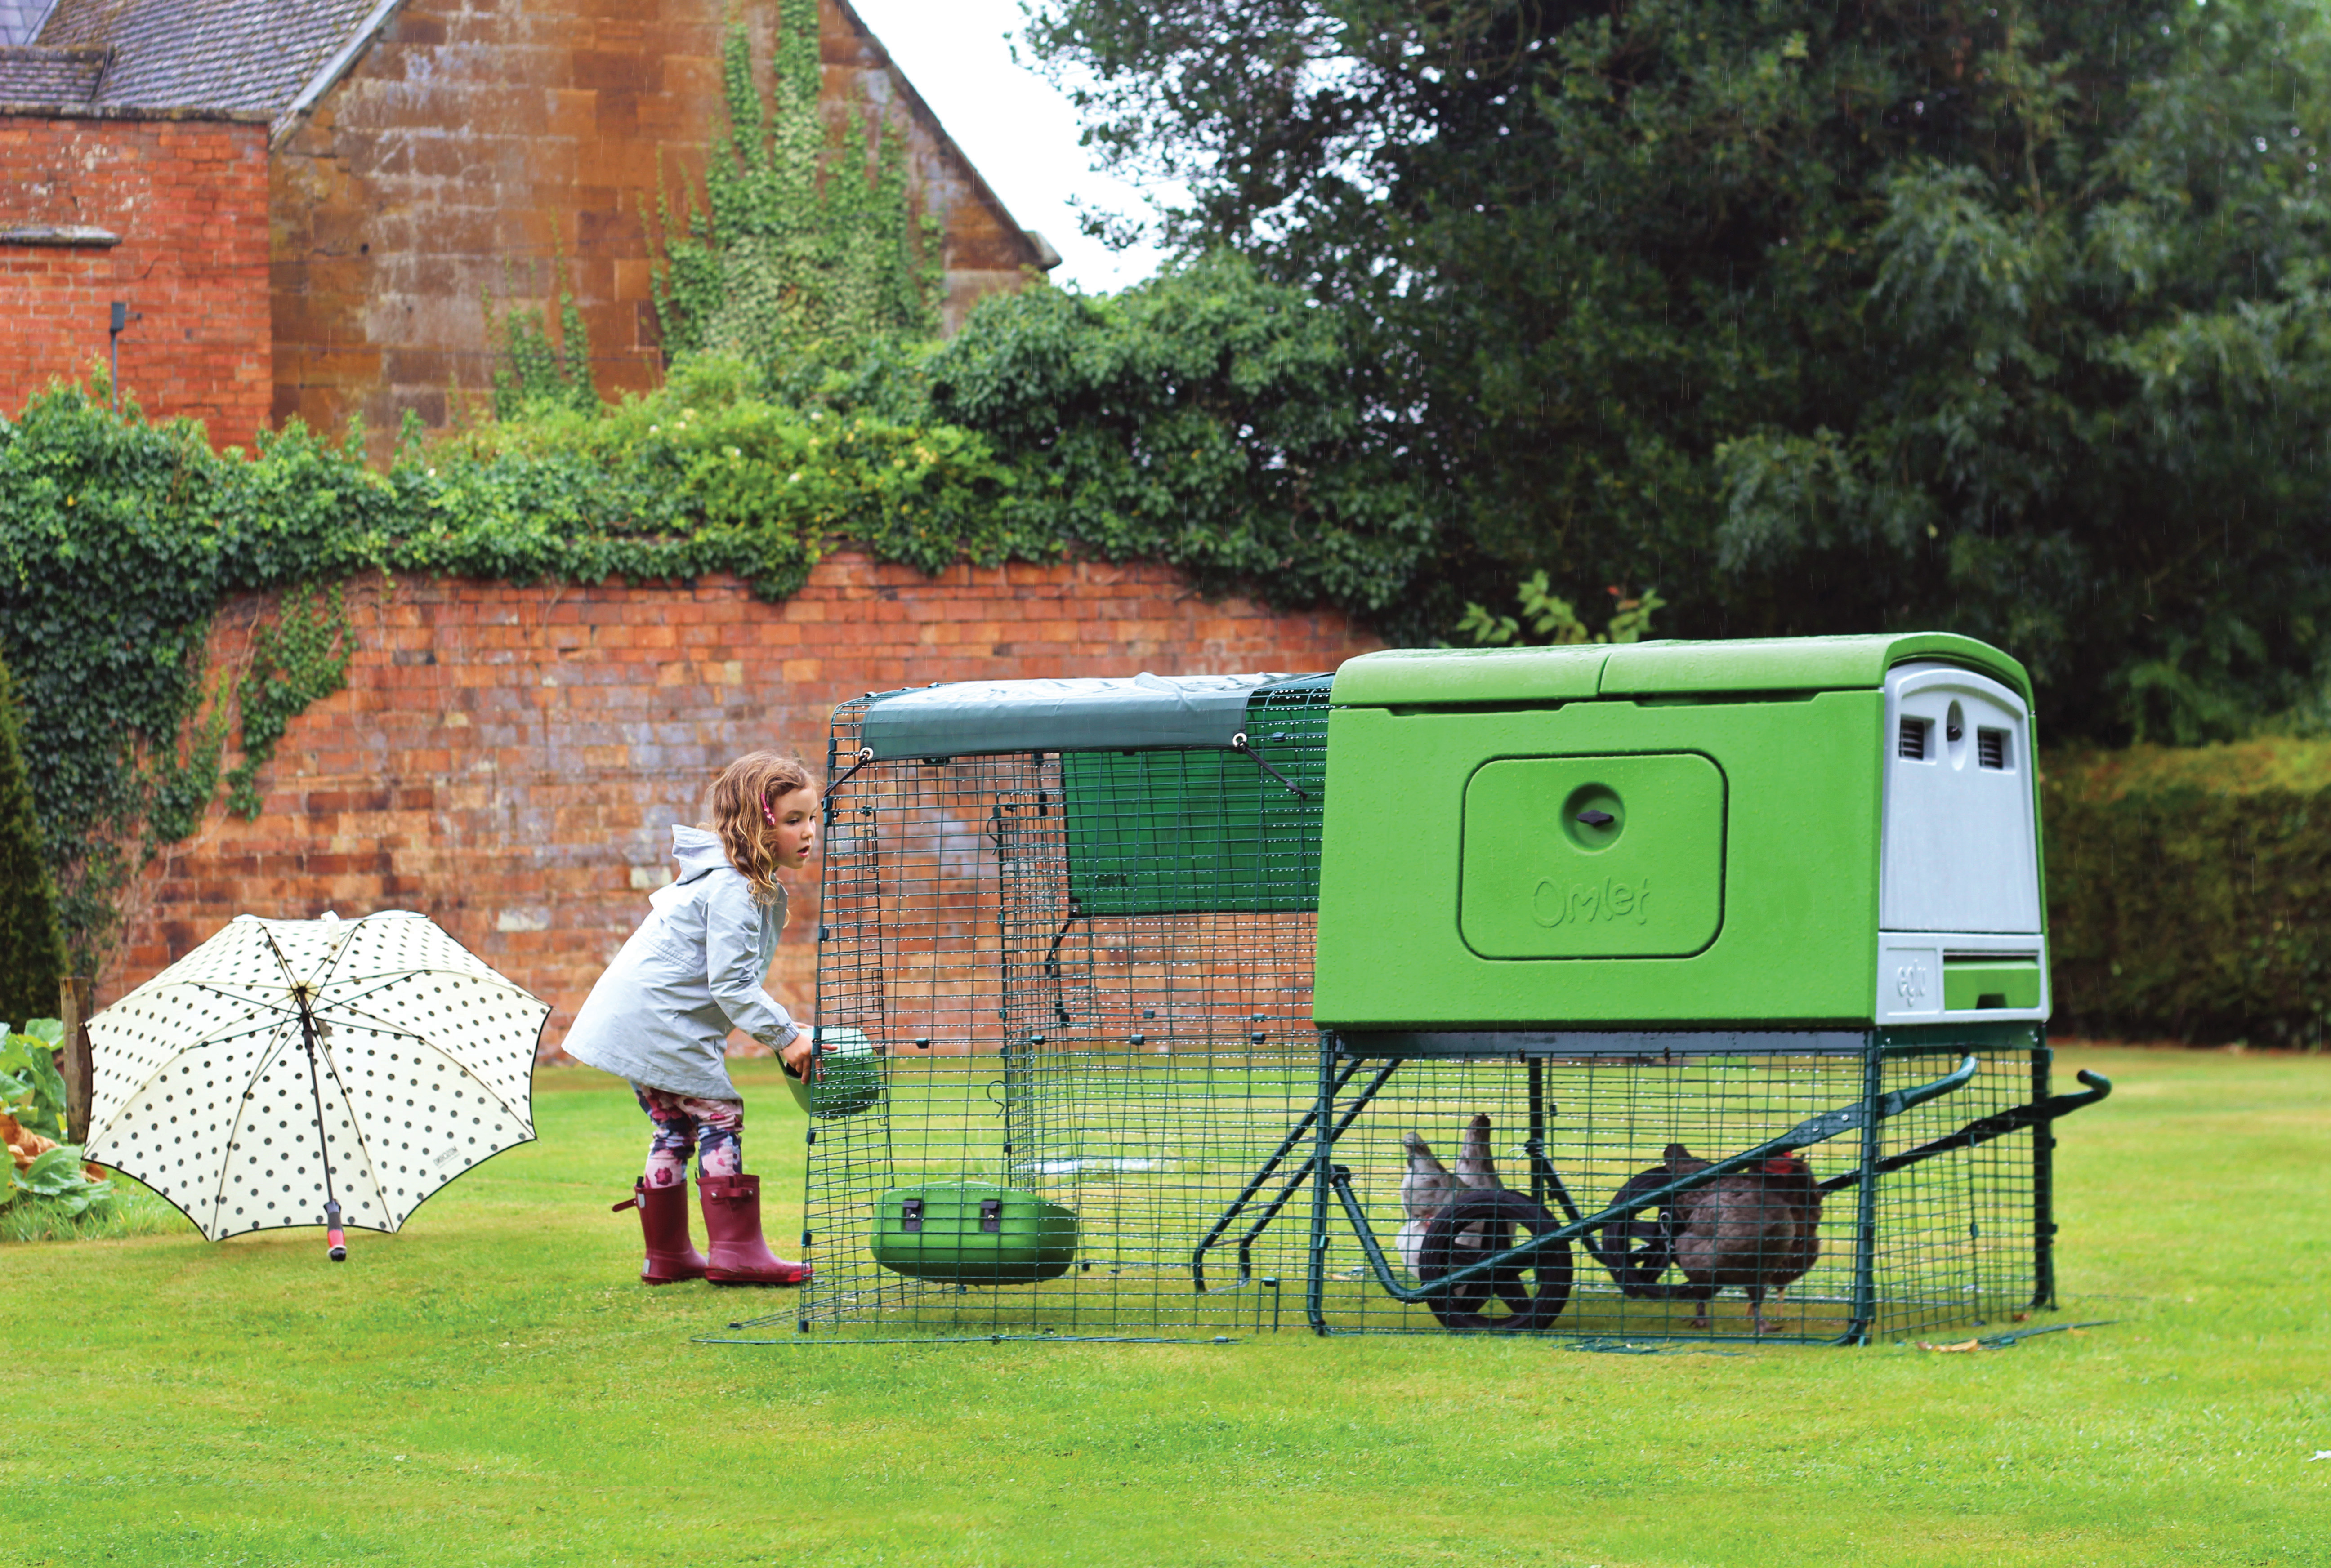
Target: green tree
x=2009, y=318
x=31, y=950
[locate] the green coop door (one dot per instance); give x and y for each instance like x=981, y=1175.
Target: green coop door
x=1593, y=857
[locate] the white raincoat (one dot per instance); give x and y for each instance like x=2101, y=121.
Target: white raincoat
x=662, y=1013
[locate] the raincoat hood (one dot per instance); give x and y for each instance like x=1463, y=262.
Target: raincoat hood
x=697, y=851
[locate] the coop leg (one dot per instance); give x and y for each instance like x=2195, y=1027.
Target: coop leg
x=2043, y=1189
x=1865, y=1226
x=1314, y=1282
x=1539, y=1164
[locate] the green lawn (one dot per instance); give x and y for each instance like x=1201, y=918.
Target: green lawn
x=493, y=1387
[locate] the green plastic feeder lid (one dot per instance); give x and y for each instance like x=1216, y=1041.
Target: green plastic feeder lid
x=850, y=1077
x=1467, y=677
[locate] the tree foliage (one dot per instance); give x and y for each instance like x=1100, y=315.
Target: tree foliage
x=31, y=949
x=2005, y=318
x=1208, y=418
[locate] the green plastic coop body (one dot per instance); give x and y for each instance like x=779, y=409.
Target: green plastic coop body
x=1827, y=832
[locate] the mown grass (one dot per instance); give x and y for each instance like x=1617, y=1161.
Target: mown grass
x=491, y=1387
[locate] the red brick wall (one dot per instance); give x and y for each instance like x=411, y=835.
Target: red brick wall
x=189, y=199
x=508, y=760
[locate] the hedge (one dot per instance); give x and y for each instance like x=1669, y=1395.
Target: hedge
x=2188, y=891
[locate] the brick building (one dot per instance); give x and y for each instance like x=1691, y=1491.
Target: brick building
x=307, y=202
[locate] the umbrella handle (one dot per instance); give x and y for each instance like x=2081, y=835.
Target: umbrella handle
x=335, y=1244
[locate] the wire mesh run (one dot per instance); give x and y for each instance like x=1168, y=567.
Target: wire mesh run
x=1769, y=1251
x=1102, y=1109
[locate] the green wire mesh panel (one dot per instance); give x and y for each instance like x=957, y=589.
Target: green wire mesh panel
x=1953, y=1242
x=1159, y=832
x=1062, y=1010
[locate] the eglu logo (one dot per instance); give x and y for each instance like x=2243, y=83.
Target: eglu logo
x=1556, y=903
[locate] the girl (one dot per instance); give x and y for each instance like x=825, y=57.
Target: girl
x=661, y=1012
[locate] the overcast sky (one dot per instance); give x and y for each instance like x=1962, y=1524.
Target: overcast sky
x=1019, y=133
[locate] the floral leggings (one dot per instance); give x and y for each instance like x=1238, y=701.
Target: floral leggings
x=714, y=1129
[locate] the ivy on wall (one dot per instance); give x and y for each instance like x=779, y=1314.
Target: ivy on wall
x=800, y=241
x=535, y=368
x=118, y=541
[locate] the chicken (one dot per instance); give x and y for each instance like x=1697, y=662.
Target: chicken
x=1751, y=1228
x=1475, y=1168
x=1803, y=1197
x=1424, y=1191
x=1638, y=1250
x=1428, y=1188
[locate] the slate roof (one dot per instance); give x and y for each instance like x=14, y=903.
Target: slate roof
x=49, y=76
x=248, y=56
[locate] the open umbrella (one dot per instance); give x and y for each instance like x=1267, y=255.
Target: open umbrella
x=305, y=1072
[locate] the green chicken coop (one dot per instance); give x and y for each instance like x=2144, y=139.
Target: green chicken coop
x=1687, y=989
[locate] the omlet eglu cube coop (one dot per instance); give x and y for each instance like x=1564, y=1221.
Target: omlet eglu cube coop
x=1672, y=989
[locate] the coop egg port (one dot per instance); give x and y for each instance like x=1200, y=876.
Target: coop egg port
x=1672, y=990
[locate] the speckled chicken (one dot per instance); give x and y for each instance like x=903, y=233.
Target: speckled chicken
x=1756, y=1228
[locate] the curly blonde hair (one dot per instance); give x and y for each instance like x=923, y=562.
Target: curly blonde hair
x=744, y=813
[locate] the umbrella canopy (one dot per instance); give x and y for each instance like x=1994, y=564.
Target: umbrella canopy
x=287, y=1072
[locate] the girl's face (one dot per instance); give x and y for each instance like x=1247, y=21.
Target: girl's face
x=796, y=829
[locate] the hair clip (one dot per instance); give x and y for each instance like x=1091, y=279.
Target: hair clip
x=765, y=812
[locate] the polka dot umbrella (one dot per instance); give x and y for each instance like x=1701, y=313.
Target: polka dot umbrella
x=308, y=1073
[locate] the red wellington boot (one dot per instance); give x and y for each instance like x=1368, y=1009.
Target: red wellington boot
x=664, y=1221
x=732, y=1229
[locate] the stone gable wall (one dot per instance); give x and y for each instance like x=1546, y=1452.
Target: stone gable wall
x=478, y=145
x=508, y=760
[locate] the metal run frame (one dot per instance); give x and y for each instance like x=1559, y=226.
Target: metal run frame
x=1065, y=1018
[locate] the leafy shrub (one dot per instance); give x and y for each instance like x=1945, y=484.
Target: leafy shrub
x=2189, y=891
x=40, y=1165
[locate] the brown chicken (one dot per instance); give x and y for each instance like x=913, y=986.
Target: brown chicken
x=1803, y=1196
x=1756, y=1228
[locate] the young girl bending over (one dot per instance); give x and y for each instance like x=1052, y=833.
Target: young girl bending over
x=661, y=1015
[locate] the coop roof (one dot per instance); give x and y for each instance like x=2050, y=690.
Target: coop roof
x=1139, y=713
x=1441, y=677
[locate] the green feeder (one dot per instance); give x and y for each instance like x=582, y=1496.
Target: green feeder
x=848, y=1075
x=973, y=1233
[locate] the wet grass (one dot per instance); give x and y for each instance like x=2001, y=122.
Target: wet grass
x=491, y=1387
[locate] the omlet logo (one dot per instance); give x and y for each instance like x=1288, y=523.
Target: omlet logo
x=1560, y=904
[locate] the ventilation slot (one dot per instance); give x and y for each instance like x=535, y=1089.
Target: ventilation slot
x=1991, y=747
x=1912, y=744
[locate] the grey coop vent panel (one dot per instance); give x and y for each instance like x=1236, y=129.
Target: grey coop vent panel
x=1961, y=844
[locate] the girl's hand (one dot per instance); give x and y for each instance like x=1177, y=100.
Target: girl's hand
x=795, y=1055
